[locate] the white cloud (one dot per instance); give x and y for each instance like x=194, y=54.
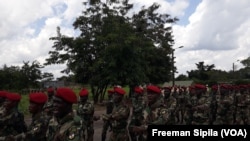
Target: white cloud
x=217, y=33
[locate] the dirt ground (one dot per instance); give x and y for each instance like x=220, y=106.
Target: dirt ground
x=99, y=110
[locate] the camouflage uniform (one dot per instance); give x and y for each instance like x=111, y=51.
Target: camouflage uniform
x=155, y=114
x=48, y=106
x=109, y=109
x=201, y=111
x=86, y=112
x=37, y=129
x=225, y=109
x=171, y=103
x=68, y=129
x=137, y=112
x=242, y=105
x=13, y=123
x=119, y=117
x=191, y=102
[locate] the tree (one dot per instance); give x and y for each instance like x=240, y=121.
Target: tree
x=115, y=48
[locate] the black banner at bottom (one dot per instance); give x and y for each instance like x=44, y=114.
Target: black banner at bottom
x=199, y=132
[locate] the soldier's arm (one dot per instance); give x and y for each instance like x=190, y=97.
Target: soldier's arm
x=162, y=118
x=121, y=114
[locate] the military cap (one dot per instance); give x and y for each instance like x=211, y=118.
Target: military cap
x=214, y=87
x=224, y=86
x=200, y=86
x=84, y=92
x=66, y=94
x=50, y=90
x=39, y=98
x=13, y=97
x=138, y=90
x=154, y=89
x=3, y=93
x=119, y=90
x=111, y=92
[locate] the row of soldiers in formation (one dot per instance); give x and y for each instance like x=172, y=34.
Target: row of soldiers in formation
x=54, y=119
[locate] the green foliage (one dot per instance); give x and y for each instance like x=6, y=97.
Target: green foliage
x=114, y=48
x=24, y=104
x=26, y=76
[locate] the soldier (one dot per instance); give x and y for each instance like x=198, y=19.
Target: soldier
x=68, y=128
x=85, y=110
x=109, y=107
x=12, y=121
x=48, y=107
x=156, y=112
x=191, y=101
x=213, y=105
x=171, y=103
x=201, y=111
x=225, y=109
x=119, y=117
x=243, y=101
x=38, y=127
x=137, y=112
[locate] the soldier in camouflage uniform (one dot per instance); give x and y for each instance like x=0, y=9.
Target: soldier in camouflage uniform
x=38, y=127
x=69, y=125
x=85, y=110
x=12, y=121
x=225, y=109
x=171, y=104
x=155, y=113
x=137, y=112
x=191, y=101
x=242, y=104
x=48, y=106
x=201, y=111
x=118, y=117
x=109, y=108
x=213, y=105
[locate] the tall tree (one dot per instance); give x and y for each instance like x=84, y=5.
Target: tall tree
x=115, y=48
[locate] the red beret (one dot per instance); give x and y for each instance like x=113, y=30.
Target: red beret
x=152, y=88
x=3, y=93
x=214, y=87
x=111, y=91
x=224, y=86
x=119, y=91
x=66, y=94
x=243, y=86
x=13, y=97
x=39, y=98
x=50, y=90
x=200, y=86
x=84, y=92
x=138, y=90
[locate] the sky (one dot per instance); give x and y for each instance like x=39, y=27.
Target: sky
x=213, y=32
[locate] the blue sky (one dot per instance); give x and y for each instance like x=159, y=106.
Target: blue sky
x=216, y=32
